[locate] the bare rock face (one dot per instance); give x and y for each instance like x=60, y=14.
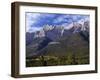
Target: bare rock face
x=45, y=41
x=39, y=34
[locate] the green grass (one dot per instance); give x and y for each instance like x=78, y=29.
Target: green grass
x=69, y=59
x=72, y=50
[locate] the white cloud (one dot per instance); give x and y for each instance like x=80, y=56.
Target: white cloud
x=74, y=18
x=34, y=29
x=32, y=15
x=31, y=18
x=60, y=18
x=57, y=20
x=48, y=15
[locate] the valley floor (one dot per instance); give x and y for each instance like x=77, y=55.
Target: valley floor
x=54, y=60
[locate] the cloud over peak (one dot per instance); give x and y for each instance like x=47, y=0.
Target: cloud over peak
x=35, y=21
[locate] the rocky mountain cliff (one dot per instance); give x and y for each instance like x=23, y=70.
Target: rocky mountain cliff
x=57, y=40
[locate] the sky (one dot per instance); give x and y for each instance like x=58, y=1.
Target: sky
x=35, y=21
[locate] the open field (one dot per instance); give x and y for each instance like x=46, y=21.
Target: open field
x=70, y=59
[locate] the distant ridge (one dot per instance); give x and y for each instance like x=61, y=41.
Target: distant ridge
x=39, y=42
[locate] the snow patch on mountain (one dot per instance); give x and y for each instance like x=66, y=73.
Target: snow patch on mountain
x=81, y=25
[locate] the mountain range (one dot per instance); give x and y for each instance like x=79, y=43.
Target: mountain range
x=58, y=40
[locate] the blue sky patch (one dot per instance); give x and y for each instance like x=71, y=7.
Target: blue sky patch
x=35, y=21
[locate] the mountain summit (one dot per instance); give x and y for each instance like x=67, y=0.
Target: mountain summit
x=39, y=41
